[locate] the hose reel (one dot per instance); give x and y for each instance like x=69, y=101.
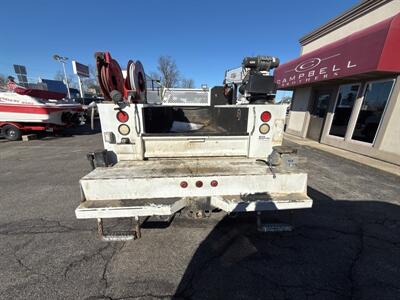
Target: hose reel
x=112, y=83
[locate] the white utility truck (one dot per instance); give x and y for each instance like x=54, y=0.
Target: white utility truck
x=193, y=150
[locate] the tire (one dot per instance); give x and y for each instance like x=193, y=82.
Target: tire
x=12, y=133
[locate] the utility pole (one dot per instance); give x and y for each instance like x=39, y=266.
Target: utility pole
x=62, y=60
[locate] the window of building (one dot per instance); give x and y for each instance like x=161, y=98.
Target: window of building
x=347, y=94
x=376, y=95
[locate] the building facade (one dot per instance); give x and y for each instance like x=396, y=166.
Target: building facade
x=346, y=83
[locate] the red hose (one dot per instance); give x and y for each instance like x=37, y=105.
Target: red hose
x=109, y=74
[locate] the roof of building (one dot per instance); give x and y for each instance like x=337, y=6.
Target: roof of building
x=349, y=15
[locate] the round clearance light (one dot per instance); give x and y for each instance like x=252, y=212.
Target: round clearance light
x=265, y=116
x=264, y=128
x=122, y=116
x=214, y=183
x=199, y=184
x=124, y=129
x=184, y=184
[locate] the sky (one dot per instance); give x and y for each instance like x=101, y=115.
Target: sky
x=204, y=37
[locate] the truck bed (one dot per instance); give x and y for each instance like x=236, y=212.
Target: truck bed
x=218, y=166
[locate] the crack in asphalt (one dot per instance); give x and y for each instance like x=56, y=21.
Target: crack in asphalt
x=26, y=267
x=85, y=258
x=19, y=260
x=107, y=260
x=116, y=250
x=37, y=226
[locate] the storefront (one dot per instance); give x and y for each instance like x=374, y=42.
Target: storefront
x=346, y=93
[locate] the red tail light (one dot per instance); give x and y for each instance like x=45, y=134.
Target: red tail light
x=122, y=116
x=214, y=183
x=265, y=116
x=199, y=184
x=184, y=184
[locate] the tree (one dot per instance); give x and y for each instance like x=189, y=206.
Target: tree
x=60, y=76
x=168, y=70
x=91, y=82
x=187, y=83
x=92, y=71
x=71, y=82
x=169, y=75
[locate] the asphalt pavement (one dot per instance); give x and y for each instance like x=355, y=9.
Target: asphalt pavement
x=346, y=247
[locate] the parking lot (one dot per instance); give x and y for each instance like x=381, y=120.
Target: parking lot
x=347, y=246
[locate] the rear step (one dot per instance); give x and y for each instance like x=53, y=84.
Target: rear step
x=121, y=236
x=99, y=209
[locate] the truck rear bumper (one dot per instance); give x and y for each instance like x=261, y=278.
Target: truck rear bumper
x=169, y=206
x=165, y=186
x=155, y=179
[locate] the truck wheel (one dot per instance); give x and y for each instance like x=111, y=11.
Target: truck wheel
x=12, y=133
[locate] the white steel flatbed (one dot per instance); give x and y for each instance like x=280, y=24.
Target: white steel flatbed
x=153, y=187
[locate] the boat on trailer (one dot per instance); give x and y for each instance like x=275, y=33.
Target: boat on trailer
x=23, y=110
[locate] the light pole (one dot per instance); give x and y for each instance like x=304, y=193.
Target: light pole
x=62, y=60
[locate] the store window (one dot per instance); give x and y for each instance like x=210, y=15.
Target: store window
x=376, y=95
x=347, y=94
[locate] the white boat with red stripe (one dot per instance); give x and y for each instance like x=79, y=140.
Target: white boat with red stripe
x=32, y=109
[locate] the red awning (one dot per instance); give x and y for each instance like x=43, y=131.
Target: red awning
x=376, y=48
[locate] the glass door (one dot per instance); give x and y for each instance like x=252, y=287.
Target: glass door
x=347, y=95
x=376, y=96
x=318, y=113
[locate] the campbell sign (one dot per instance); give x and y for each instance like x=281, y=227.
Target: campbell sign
x=311, y=70
x=369, y=50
